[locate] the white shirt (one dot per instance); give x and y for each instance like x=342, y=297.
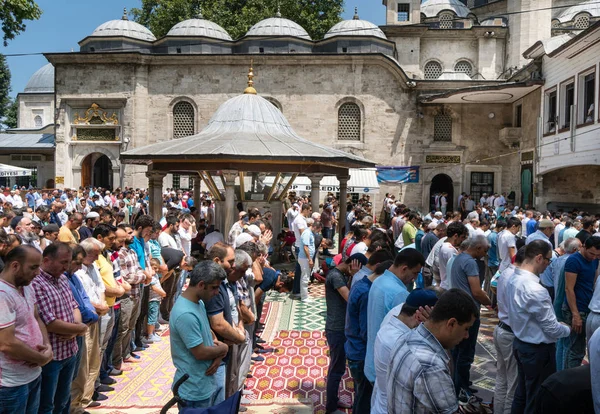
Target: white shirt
x=446, y=253
x=299, y=224
x=17, y=201
x=108, y=201
x=92, y=282
x=166, y=240
x=595, y=302
x=291, y=215
x=501, y=298
x=359, y=248
x=506, y=240
x=186, y=237
x=482, y=200
x=433, y=257
x=213, y=238
x=530, y=312
x=524, y=226
x=391, y=329
x=557, y=230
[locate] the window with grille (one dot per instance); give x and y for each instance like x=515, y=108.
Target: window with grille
x=183, y=120
x=442, y=128
x=176, y=181
x=481, y=182
x=464, y=67
x=38, y=121
x=403, y=12
x=582, y=21
x=432, y=70
x=446, y=20
x=349, y=122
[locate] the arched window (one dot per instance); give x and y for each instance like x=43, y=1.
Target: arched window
x=442, y=128
x=581, y=21
x=432, y=70
x=446, y=20
x=38, y=121
x=555, y=23
x=183, y=120
x=463, y=66
x=349, y=122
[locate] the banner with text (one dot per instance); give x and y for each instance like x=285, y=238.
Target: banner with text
x=397, y=175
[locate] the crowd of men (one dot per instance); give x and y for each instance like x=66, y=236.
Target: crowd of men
x=87, y=285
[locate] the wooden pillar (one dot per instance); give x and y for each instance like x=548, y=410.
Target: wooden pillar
x=155, y=187
x=315, y=190
x=343, y=179
x=229, y=177
x=197, y=184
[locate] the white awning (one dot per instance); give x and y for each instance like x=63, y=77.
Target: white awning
x=363, y=180
x=12, y=171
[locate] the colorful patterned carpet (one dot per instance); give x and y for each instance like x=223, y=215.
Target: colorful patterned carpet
x=289, y=381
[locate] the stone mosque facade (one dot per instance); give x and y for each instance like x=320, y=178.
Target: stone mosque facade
x=443, y=87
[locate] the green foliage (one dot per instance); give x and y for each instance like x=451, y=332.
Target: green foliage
x=12, y=15
x=11, y=114
x=4, y=86
x=237, y=16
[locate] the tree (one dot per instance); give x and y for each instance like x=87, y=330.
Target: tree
x=5, y=100
x=12, y=112
x=237, y=16
x=12, y=15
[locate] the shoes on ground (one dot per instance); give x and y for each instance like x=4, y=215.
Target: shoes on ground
x=99, y=397
x=135, y=356
x=147, y=341
x=307, y=300
x=115, y=372
x=93, y=404
x=261, y=341
x=155, y=338
x=108, y=381
x=257, y=359
x=139, y=349
x=104, y=388
x=465, y=397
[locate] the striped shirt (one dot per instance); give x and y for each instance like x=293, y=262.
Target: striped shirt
x=131, y=270
x=419, y=379
x=55, y=301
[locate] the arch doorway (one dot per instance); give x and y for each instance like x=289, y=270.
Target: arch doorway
x=442, y=183
x=96, y=171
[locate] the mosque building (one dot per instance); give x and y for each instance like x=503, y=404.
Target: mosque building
x=442, y=97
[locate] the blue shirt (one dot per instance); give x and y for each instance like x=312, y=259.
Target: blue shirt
x=30, y=200
x=418, y=238
x=493, y=252
x=558, y=272
x=531, y=226
x=88, y=313
x=537, y=235
x=307, y=239
x=586, y=273
x=138, y=246
x=386, y=292
x=356, y=320
x=189, y=328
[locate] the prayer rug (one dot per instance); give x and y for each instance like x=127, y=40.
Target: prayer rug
x=280, y=406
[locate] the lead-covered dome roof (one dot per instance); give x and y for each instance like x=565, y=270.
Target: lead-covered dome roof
x=199, y=26
x=124, y=27
x=591, y=7
x=431, y=8
x=42, y=81
x=278, y=26
x=355, y=27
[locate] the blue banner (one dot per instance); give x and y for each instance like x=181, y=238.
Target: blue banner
x=397, y=175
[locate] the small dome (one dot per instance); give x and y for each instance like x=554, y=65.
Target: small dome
x=431, y=8
x=355, y=27
x=591, y=7
x=42, y=81
x=124, y=27
x=495, y=21
x=278, y=26
x=199, y=27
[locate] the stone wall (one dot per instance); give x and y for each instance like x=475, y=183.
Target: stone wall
x=570, y=185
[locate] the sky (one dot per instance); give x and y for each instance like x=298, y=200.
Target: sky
x=66, y=22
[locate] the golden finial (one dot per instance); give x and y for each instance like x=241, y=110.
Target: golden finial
x=250, y=89
x=356, y=14
x=124, y=14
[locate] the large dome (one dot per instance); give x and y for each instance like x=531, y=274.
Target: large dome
x=278, y=26
x=199, y=27
x=591, y=7
x=355, y=27
x=42, y=81
x=431, y=8
x=124, y=27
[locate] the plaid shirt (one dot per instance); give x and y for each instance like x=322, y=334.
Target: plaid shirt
x=55, y=301
x=419, y=379
x=131, y=271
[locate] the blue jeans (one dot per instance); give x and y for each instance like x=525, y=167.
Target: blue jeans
x=219, y=395
x=362, y=387
x=107, y=365
x=327, y=234
x=574, y=345
x=535, y=363
x=209, y=402
x=463, y=356
x=24, y=399
x=337, y=367
x=54, y=399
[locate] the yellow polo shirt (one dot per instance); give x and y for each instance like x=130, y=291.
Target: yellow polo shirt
x=67, y=236
x=108, y=278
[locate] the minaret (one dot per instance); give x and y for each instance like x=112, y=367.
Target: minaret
x=525, y=27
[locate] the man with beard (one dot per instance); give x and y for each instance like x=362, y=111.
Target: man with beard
x=41, y=215
x=23, y=339
x=92, y=219
x=59, y=311
x=223, y=315
x=25, y=230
